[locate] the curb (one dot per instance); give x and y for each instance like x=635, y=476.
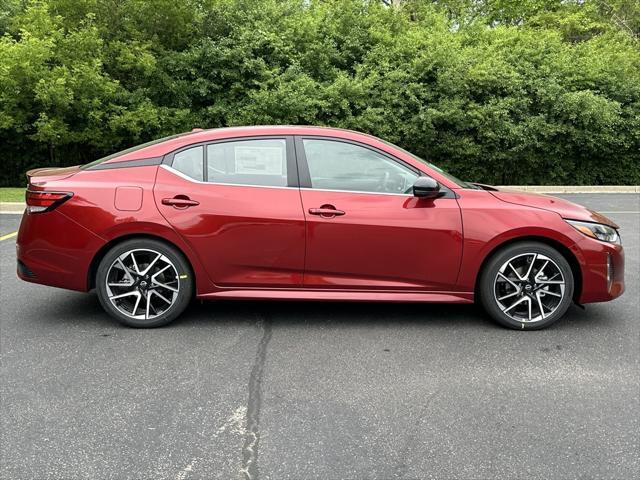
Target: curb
x=573, y=188
x=12, y=208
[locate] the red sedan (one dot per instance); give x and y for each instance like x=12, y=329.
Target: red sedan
x=306, y=213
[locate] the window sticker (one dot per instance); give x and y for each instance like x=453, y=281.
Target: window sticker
x=259, y=160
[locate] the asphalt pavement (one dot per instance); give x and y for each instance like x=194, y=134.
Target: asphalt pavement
x=298, y=390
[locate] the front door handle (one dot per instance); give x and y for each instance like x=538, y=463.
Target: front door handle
x=326, y=211
x=180, y=201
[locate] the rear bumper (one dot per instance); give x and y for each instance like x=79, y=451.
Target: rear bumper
x=602, y=266
x=54, y=250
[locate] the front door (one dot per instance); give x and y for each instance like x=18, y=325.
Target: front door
x=365, y=230
x=237, y=204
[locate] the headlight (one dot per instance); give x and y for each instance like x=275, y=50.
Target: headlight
x=596, y=230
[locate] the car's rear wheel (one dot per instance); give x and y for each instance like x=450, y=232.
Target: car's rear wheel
x=526, y=286
x=144, y=283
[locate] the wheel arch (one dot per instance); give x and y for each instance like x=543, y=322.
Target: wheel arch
x=559, y=246
x=100, y=254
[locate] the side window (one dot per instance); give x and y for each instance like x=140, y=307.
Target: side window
x=190, y=162
x=335, y=165
x=248, y=162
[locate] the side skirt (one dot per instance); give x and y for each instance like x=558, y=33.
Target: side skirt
x=341, y=295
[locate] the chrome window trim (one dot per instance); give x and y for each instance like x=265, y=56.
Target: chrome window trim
x=356, y=191
x=187, y=177
x=291, y=162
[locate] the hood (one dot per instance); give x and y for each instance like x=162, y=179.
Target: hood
x=42, y=175
x=564, y=208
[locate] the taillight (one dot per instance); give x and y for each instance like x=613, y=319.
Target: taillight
x=40, y=202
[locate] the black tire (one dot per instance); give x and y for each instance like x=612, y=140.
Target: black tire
x=180, y=277
x=523, y=252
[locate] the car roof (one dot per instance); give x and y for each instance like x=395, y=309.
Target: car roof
x=168, y=144
x=163, y=146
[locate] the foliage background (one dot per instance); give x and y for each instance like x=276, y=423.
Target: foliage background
x=497, y=91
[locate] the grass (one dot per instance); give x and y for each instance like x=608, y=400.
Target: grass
x=11, y=194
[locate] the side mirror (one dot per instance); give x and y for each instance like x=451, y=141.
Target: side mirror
x=426, y=187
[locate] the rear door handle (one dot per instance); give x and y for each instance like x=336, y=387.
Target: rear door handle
x=326, y=211
x=180, y=201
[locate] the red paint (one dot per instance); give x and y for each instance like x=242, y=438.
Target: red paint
x=243, y=236
x=382, y=242
x=128, y=199
x=261, y=242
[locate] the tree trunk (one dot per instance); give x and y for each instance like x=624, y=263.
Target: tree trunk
x=52, y=157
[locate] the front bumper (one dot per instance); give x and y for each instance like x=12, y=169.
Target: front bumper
x=602, y=268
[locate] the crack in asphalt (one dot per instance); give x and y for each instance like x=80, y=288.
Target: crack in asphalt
x=249, y=470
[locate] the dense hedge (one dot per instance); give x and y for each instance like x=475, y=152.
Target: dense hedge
x=502, y=91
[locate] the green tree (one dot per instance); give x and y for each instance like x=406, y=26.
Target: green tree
x=500, y=91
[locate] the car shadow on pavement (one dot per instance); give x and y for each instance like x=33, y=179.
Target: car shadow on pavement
x=85, y=308
x=345, y=314
x=595, y=315
x=337, y=314
x=69, y=308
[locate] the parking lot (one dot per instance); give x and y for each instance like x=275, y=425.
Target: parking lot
x=319, y=390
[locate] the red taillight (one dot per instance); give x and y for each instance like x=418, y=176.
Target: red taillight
x=39, y=202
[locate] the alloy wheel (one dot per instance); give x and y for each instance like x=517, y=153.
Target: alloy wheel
x=142, y=284
x=529, y=287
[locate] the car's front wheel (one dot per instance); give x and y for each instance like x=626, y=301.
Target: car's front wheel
x=144, y=283
x=526, y=286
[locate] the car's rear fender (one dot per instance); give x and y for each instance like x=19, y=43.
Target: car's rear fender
x=116, y=204
x=52, y=249
x=157, y=231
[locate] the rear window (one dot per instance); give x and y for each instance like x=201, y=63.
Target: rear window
x=132, y=149
x=190, y=162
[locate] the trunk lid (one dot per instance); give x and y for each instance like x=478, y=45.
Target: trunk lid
x=40, y=176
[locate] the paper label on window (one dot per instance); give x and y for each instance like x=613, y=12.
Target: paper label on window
x=259, y=160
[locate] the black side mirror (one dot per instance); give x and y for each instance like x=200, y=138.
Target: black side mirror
x=426, y=187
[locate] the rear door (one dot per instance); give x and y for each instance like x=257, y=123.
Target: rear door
x=365, y=229
x=237, y=203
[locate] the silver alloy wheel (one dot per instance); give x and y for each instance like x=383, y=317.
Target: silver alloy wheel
x=529, y=287
x=142, y=284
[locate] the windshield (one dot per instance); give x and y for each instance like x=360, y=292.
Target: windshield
x=457, y=181
x=129, y=150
